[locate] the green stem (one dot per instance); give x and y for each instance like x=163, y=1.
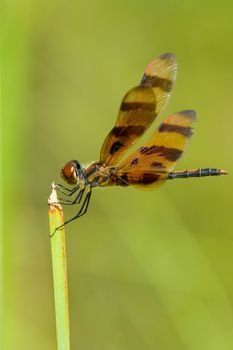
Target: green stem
x=58, y=250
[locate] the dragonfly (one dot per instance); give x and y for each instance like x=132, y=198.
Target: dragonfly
x=152, y=164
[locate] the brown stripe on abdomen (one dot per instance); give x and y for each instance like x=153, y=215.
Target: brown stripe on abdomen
x=155, y=81
x=145, y=106
x=182, y=130
x=171, y=154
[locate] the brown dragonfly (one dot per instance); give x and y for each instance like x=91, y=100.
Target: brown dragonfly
x=152, y=164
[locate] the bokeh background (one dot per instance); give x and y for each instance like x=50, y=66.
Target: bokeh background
x=147, y=270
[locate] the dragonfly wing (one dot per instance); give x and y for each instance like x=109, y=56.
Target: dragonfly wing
x=148, y=167
x=140, y=107
x=161, y=75
x=137, y=113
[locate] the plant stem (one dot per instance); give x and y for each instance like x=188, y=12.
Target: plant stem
x=59, y=264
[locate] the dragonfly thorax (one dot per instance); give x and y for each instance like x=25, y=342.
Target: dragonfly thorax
x=97, y=174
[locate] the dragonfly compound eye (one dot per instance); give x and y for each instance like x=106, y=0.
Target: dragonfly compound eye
x=68, y=173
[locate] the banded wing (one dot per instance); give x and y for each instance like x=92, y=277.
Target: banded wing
x=151, y=163
x=161, y=75
x=140, y=107
x=137, y=113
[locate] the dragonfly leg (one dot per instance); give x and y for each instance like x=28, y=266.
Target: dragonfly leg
x=76, y=200
x=80, y=213
x=70, y=191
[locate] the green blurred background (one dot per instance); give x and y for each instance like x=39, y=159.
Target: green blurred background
x=147, y=270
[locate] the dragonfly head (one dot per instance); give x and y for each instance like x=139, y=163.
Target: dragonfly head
x=71, y=172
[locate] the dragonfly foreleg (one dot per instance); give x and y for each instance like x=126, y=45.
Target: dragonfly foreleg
x=81, y=211
x=70, y=191
x=76, y=200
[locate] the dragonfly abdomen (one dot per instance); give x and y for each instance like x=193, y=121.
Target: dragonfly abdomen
x=196, y=173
